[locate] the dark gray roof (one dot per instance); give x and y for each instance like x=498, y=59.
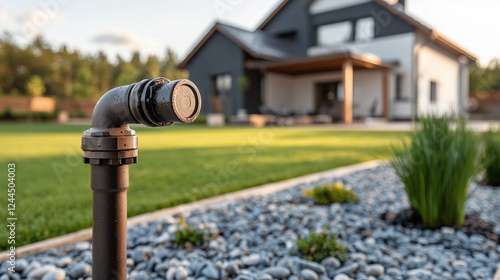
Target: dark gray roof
x=262, y=45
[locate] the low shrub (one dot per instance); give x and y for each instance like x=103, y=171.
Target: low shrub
x=437, y=166
x=188, y=233
x=318, y=246
x=77, y=114
x=491, y=140
x=332, y=193
x=8, y=115
x=41, y=116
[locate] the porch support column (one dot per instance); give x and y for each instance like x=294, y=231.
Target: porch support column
x=348, y=81
x=385, y=95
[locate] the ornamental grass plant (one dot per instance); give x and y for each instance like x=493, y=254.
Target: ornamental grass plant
x=437, y=166
x=491, y=140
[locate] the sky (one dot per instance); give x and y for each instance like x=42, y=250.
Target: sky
x=120, y=27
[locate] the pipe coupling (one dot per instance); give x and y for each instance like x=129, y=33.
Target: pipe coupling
x=118, y=148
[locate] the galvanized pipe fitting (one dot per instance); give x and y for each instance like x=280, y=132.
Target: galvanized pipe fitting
x=109, y=146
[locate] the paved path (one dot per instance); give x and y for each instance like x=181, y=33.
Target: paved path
x=479, y=126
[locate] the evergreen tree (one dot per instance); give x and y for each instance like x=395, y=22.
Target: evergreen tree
x=83, y=86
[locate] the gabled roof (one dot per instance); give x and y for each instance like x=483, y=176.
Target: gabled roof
x=433, y=34
x=273, y=13
x=257, y=44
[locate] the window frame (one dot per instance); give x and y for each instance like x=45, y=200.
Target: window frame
x=227, y=77
x=398, y=88
x=433, y=85
x=349, y=36
x=356, y=31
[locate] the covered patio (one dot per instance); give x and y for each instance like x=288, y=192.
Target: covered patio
x=346, y=63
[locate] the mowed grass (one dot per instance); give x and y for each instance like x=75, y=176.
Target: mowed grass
x=178, y=164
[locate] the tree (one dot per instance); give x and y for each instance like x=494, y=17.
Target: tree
x=83, y=86
x=152, y=67
x=484, y=79
x=136, y=59
x=35, y=86
x=128, y=74
x=103, y=73
x=169, y=68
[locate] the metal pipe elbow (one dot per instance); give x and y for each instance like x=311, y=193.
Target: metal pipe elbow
x=152, y=102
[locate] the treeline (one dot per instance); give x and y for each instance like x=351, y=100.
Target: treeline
x=485, y=79
x=39, y=70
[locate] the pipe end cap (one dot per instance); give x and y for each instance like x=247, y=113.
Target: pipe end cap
x=186, y=101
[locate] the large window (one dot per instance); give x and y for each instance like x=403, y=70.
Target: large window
x=335, y=33
x=365, y=29
x=222, y=84
x=433, y=92
x=361, y=30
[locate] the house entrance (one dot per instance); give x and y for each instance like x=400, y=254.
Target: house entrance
x=330, y=99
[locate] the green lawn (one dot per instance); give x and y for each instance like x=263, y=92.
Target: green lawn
x=176, y=165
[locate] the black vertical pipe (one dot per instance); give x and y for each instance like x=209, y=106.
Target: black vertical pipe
x=109, y=231
x=109, y=146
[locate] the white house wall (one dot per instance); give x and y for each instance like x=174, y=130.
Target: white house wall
x=278, y=91
x=367, y=93
x=321, y=6
x=396, y=48
x=435, y=65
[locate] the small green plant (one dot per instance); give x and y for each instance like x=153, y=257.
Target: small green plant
x=244, y=83
x=188, y=233
x=437, y=166
x=318, y=246
x=491, y=140
x=332, y=193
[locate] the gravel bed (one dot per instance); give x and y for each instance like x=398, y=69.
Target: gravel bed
x=257, y=235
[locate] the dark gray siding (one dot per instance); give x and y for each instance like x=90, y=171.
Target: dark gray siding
x=386, y=23
x=293, y=17
x=219, y=55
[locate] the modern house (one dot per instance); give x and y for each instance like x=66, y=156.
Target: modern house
x=349, y=59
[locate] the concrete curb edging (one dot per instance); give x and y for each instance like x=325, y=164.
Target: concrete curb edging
x=86, y=234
